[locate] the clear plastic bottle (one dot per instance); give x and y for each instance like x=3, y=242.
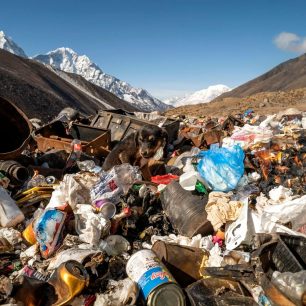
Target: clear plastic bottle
x=89, y=165
x=114, y=245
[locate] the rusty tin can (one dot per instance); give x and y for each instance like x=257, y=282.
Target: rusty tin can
x=157, y=285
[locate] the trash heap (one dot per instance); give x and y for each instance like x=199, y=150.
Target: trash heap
x=222, y=222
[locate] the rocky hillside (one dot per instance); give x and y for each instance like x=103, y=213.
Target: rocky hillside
x=286, y=76
x=42, y=93
x=262, y=103
x=67, y=60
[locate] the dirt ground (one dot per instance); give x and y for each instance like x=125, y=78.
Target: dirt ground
x=261, y=103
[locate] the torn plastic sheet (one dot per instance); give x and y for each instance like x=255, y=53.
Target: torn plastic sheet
x=74, y=253
x=90, y=225
x=273, y=217
x=118, y=293
x=196, y=241
x=240, y=230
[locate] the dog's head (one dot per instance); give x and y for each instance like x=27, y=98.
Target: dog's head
x=150, y=139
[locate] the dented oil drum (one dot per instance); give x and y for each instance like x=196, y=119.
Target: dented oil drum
x=185, y=211
x=15, y=130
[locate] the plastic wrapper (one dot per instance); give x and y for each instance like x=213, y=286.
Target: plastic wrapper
x=164, y=179
x=184, y=160
x=293, y=285
x=74, y=253
x=6, y=286
x=196, y=241
x=241, y=230
x=220, y=208
x=116, y=182
x=249, y=135
x=10, y=214
x=90, y=225
x=11, y=235
x=215, y=258
x=114, y=245
x=280, y=194
x=49, y=230
x=119, y=293
x=74, y=189
x=273, y=217
x=222, y=168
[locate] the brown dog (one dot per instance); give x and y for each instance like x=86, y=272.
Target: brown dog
x=137, y=147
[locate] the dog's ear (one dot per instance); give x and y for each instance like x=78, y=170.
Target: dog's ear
x=164, y=136
x=136, y=136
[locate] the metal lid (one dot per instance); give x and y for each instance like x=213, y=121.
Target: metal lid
x=167, y=295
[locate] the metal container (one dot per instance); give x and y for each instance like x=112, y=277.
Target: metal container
x=121, y=124
x=15, y=130
x=208, y=292
x=157, y=285
x=183, y=262
x=69, y=279
x=185, y=211
x=94, y=141
x=106, y=207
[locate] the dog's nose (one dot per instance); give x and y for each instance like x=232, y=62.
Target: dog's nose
x=145, y=152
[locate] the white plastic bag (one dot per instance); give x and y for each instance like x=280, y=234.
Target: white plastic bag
x=10, y=214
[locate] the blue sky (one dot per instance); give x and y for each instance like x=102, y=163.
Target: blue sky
x=165, y=46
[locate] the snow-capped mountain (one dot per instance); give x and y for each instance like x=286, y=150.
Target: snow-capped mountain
x=175, y=99
x=9, y=45
x=201, y=96
x=69, y=61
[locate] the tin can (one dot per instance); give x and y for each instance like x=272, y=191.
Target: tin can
x=107, y=208
x=183, y=262
x=156, y=284
x=69, y=279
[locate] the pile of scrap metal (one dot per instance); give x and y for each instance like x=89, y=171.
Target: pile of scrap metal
x=204, y=133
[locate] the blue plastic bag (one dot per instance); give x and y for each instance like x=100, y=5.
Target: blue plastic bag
x=222, y=168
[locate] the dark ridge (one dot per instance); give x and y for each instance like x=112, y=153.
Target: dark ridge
x=41, y=93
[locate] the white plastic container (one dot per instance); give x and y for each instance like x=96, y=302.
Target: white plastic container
x=188, y=180
x=10, y=214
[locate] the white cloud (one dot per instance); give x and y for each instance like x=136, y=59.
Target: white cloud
x=290, y=42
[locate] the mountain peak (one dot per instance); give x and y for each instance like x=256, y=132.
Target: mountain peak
x=68, y=60
x=63, y=50
x=6, y=43
x=201, y=96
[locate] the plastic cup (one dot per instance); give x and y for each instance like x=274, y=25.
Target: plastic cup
x=107, y=208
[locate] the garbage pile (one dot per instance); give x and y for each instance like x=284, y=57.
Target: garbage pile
x=193, y=211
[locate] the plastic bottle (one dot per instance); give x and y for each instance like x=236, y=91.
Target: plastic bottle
x=88, y=165
x=10, y=214
x=76, y=147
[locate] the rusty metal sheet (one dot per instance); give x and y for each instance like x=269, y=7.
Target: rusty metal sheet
x=94, y=141
x=213, y=136
x=123, y=124
x=15, y=130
